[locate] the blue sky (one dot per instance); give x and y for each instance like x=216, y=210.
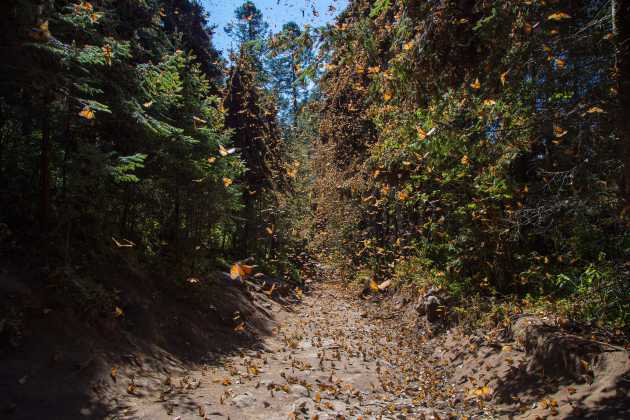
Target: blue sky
x=276, y=13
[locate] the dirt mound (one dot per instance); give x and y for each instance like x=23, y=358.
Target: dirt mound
x=532, y=369
x=73, y=340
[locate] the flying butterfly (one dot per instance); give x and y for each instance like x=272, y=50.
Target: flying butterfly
x=87, y=113
x=224, y=152
x=240, y=270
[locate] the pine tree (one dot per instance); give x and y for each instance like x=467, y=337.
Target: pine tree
x=290, y=55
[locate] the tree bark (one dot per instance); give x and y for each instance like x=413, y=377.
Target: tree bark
x=621, y=33
x=44, y=174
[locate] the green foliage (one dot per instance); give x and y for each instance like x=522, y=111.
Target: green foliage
x=289, y=65
x=379, y=7
x=122, y=172
x=475, y=141
x=114, y=107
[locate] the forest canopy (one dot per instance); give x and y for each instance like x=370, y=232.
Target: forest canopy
x=481, y=146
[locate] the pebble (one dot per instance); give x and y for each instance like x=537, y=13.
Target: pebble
x=303, y=406
x=244, y=400
x=299, y=390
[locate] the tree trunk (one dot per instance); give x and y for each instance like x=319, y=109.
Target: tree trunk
x=177, y=225
x=621, y=33
x=44, y=174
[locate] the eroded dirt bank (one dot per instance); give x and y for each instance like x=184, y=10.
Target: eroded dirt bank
x=335, y=356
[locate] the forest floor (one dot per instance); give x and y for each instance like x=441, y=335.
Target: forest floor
x=330, y=355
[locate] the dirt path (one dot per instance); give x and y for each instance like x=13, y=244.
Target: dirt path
x=327, y=359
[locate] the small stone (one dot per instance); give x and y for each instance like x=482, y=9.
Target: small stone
x=244, y=400
x=298, y=390
x=303, y=406
x=432, y=306
x=266, y=382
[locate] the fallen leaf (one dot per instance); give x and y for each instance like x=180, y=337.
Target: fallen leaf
x=484, y=392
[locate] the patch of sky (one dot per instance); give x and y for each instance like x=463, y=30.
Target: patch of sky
x=275, y=12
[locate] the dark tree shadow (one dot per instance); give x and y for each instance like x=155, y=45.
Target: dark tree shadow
x=60, y=367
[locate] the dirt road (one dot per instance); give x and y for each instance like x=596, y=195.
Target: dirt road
x=327, y=359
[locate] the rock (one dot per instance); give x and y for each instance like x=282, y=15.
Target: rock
x=266, y=382
x=303, y=406
x=429, y=304
x=244, y=400
x=432, y=309
x=338, y=407
x=299, y=390
x=523, y=329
